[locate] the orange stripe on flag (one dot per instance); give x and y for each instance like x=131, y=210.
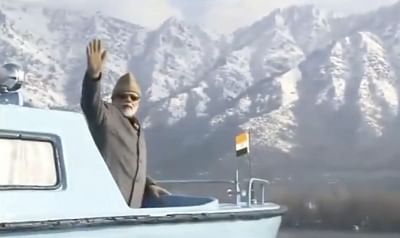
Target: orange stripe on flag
x=242, y=138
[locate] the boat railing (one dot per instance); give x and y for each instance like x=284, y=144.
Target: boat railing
x=251, y=198
x=237, y=192
x=198, y=181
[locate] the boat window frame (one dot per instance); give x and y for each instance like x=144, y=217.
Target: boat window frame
x=55, y=142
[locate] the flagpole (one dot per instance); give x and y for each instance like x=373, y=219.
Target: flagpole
x=251, y=192
x=238, y=192
x=249, y=157
x=242, y=148
x=237, y=182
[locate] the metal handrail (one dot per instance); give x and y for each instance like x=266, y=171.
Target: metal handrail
x=191, y=181
x=250, y=191
x=209, y=181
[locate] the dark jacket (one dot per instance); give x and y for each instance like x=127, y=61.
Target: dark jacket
x=120, y=141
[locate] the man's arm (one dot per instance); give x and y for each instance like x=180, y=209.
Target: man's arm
x=91, y=102
x=154, y=189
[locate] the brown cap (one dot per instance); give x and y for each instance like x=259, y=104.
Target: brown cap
x=126, y=83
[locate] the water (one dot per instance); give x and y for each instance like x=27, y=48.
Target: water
x=333, y=234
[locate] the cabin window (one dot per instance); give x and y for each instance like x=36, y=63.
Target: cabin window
x=27, y=163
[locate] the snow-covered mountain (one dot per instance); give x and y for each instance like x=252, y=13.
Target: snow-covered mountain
x=310, y=86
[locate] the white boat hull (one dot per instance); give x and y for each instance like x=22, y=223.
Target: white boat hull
x=261, y=228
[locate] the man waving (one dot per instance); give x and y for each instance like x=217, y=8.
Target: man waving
x=115, y=129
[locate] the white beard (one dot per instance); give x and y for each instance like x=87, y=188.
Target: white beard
x=129, y=113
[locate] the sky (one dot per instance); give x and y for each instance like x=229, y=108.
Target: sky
x=223, y=16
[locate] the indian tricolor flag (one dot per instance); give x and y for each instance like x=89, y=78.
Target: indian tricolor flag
x=242, y=144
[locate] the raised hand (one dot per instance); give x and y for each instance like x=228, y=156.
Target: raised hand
x=95, y=58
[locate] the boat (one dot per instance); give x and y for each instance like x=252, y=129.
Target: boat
x=54, y=183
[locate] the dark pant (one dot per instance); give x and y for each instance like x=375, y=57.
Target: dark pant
x=150, y=201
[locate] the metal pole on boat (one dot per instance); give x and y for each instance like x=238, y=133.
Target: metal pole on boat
x=249, y=157
x=251, y=192
x=238, y=192
x=262, y=194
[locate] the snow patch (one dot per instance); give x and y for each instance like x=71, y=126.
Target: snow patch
x=177, y=108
